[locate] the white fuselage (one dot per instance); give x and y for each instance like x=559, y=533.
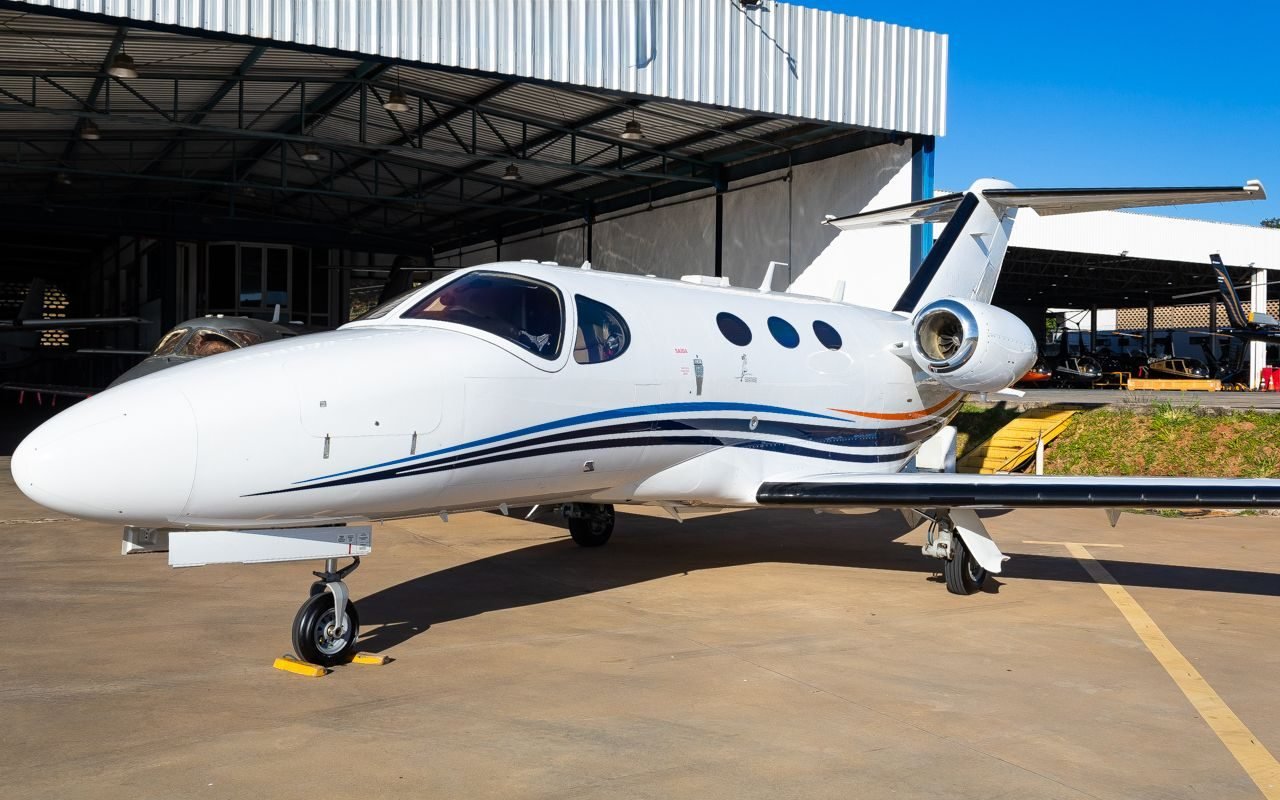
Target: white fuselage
x=393, y=417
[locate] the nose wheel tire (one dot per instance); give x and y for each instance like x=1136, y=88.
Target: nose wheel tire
x=962, y=572
x=591, y=525
x=315, y=638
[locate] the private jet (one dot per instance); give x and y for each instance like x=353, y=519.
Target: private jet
x=521, y=384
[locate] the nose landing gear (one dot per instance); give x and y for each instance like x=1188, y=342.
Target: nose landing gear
x=326, y=626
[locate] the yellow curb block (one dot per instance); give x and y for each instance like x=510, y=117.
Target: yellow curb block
x=370, y=658
x=288, y=663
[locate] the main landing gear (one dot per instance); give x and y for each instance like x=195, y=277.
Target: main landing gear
x=327, y=624
x=590, y=524
x=962, y=572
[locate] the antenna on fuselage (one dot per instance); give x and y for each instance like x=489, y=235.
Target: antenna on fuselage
x=766, y=285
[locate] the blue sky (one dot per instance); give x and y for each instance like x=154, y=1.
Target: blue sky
x=1107, y=94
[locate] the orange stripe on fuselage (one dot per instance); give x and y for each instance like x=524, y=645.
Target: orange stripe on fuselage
x=902, y=415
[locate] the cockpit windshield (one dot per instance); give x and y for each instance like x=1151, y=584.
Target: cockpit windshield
x=521, y=310
x=170, y=342
x=201, y=342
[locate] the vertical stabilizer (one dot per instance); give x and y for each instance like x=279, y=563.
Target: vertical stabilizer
x=965, y=260
x=33, y=303
x=1230, y=300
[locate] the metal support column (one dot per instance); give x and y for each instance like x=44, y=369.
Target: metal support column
x=720, y=186
x=1257, y=304
x=1149, y=341
x=921, y=189
x=1213, y=327
x=1093, y=330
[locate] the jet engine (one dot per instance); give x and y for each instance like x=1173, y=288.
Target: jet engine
x=971, y=346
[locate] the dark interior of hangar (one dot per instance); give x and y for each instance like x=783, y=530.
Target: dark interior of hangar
x=153, y=173
x=159, y=174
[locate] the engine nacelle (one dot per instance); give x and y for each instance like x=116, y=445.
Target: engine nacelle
x=971, y=346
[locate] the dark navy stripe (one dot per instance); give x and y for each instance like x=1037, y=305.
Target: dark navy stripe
x=941, y=248
x=816, y=434
x=597, y=416
x=643, y=441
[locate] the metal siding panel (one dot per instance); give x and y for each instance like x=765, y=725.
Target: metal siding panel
x=848, y=70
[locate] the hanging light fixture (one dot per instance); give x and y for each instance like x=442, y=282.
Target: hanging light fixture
x=310, y=153
x=89, y=132
x=396, y=101
x=63, y=178
x=122, y=66
x=512, y=173
x=632, y=130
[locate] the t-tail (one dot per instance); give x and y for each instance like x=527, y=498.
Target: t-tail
x=965, y=261
x=1230, y=300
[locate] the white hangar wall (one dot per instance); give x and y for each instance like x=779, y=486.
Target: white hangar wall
x=767, y=218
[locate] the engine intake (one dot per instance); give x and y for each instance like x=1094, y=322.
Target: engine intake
x=971, y=346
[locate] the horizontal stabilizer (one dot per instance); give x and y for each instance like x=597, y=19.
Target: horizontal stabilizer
x=939, y=209
x=1048, y=202
x=919, y=490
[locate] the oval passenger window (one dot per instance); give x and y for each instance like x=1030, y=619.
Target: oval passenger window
x=734, y=329
x=827, y=335
x=783, y=332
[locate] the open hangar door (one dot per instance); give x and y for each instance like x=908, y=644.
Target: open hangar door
x=1144, y=286
x=165, y=172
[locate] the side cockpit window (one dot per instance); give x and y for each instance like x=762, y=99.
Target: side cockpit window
x=602, y=334
x=521, y=310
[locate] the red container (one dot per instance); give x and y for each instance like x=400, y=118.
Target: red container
x=1268, y=382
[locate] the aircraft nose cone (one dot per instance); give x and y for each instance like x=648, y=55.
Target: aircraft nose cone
x=125, y=456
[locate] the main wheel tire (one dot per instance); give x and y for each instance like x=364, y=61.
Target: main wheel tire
x=594, y=528
x=962, y=572
x=312, y=642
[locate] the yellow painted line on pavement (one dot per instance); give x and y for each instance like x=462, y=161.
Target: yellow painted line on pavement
x=1256, y=760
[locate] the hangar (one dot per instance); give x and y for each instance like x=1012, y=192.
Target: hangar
x=172, y=159
x=1143, y=272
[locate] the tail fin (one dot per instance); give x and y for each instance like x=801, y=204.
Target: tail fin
x=33, y=303
x=965, y=261
x=1230, y=300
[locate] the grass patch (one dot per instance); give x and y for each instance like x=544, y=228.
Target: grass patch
x=1168, y=440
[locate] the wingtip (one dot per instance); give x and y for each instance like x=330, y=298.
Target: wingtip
x=1255, y=185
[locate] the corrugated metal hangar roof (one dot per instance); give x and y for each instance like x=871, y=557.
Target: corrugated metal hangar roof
x=776, y=59
x=523, y=120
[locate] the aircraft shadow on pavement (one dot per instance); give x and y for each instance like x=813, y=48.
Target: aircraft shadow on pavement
x=647, y=548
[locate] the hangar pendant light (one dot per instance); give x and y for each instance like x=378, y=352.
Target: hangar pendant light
x=89, y=132
x=63, y=178
x=632, y=130
x=396, y=101
x=122, y=66
x=512, y=173
x=311, y=153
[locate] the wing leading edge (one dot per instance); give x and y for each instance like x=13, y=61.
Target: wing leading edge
x=937, y=490
x=1048, y=202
